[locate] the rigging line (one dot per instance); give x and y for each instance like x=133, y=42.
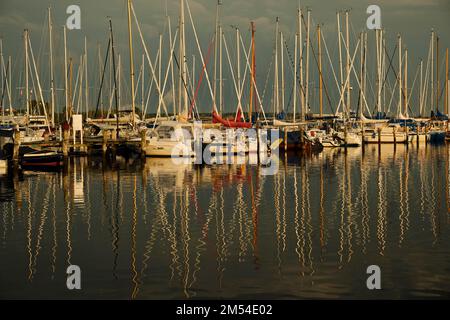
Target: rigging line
x=412, y=90
x=5, y=82
x=201, y=75
x=103, y=78
x=317, y=64
x=182, y=78
x=396, y=76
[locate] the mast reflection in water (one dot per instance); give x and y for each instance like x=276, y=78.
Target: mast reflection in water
x=149, y=229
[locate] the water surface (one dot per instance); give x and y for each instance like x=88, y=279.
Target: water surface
x=153, y=230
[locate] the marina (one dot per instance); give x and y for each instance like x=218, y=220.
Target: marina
x=185, y=160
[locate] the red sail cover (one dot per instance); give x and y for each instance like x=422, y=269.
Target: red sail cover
x=230, y=123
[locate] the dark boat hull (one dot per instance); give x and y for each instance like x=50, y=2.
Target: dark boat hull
x=42, y=161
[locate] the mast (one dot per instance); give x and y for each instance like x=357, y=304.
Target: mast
x=70, y=88
x=338, y=16
x=252, y=73
x=143, y=85
x=182, y=61
x=9, y=86
x=446, y=83
x=27, y=92
x=405, y=111
x=432, y=71
x=86, y=88
x=160, y=66
x=347, y=38
x=171, y=67
x=307, y=60
x=66, y=85
x=361, y=74
x=438, y=84
x=114, y=74
x=300, y=42
x=400, y=82
x=320, y=70
x=130, y=43
x=119, y=80
x=295, y=74
x=282, y=70
x=52, y=79
x=216, y=38
x=379, y=45
x=421, y=89
x=238, y=58
x=220, y=72
x=2, y=76
x=276, y=96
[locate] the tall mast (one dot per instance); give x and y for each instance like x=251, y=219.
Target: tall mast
x=364, y=82
x=320, y=70
x=143, y=85
x=383, y=68
x=113, y=53
x=182, y=61
x=406, y=84
x=347, y=38
x=300, y=42
x=341, y=74
x=295, y=74
x=282, y=70
x=238, y=58
x=446, y=83
x=361, y=74
x=119, y=80
x=379, y=45
x=220, y=72
x=9, y=86
x=66, y=85
x=52, y=80
x=160, y=66
x=307, y=60
x=27, y=92
x=438, y=84
x=171, y=67
x=421, y=89
x=86, y=88
x=217, y=38
x=130, y=43
x=252, y=73
x=276, y=96
x=432, y=71
x=400, y=82
x=2, y=76
x=70, y=88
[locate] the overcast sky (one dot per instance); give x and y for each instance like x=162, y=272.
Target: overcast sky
x=412, y=18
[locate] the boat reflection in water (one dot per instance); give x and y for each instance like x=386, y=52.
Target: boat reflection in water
x=152, y=229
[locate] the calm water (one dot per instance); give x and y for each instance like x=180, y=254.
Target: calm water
x=152, y=230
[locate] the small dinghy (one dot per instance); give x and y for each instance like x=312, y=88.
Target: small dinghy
x=40, y=159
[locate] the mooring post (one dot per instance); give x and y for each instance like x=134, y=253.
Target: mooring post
x=394, y=131
x=285, y=139
x=345, y=137
x=105, y=141
x=143, y=141
x=362, y=135
x=379, y=136
x=302, y=138
x=407, y=137
x=65, y=142
x=16, y=145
